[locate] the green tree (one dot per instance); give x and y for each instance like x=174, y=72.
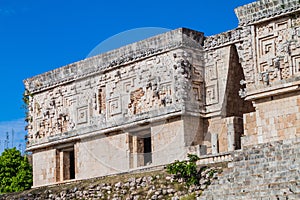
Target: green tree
x=186, y=169
x=15, y=171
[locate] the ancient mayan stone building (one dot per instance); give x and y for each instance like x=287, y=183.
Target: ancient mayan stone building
x=154, y=101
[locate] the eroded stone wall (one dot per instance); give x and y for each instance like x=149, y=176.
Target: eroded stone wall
x=172, y=94
x=168, y=141
x=281, y=123
x=45, y=167
x=101, y=155
x=152, y=87
x=264, y=171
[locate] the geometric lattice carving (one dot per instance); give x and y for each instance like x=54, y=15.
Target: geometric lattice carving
x=197, y=91
x=267, y=46
x=82, y=115
x=114, y=106
x=128, y=84
x=296, y=64
x=211, y=72
x=212, y=94
x=274, y=41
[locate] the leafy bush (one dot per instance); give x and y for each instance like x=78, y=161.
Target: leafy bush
x=186, y=169
x=15, y=171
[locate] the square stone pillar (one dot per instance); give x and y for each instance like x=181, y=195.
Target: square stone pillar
x=214, y=143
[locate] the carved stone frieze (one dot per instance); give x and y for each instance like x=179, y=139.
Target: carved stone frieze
x=277, y=50
x=150, y=87
x=263, y=9
x=125, y=55
x=213, y=60
x=226, y=38
x=51, y=113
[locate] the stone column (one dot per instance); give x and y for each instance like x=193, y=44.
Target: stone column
x=61, y=165
x=214, y=143
x=230, y=134
x=134, y=152
x=57, y=166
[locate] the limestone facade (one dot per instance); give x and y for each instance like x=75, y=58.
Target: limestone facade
x=154, y=101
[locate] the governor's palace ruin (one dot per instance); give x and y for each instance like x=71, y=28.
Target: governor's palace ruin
x=152, y=102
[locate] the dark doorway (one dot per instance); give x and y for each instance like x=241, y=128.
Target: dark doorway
x=147, y=151
x=72, y=164
x=67, y=163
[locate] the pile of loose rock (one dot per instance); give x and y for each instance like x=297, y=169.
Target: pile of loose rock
x=158, y=185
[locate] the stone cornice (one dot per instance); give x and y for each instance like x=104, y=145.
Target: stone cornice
x=181, y=37
x=273, y=91
x=264, y=9
x=223, y=39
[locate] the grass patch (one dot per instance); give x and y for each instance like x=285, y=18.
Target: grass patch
x=189, y=197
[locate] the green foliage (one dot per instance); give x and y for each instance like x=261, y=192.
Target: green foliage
x=193, y=158
x=26, y=100
x=211, y=173
x=15, y=171
x=186, y=169
x=26, y=96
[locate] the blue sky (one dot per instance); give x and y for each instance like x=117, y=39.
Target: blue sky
x=38, y=36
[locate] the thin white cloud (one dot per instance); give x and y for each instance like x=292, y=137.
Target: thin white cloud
x=17, y=125
x=15, y=130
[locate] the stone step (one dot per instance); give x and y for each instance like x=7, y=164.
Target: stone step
x=274, y=189
x=250, y=194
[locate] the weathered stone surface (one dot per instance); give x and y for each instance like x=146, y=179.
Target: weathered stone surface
x=154, y=188
x=264, y=171
x=260, y=10
x=151, y=102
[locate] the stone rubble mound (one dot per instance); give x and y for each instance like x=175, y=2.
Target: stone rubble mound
x=155, y=186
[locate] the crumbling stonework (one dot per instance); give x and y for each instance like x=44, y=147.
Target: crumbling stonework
x=261, y=171
x=154, y=101
x=143, y=186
